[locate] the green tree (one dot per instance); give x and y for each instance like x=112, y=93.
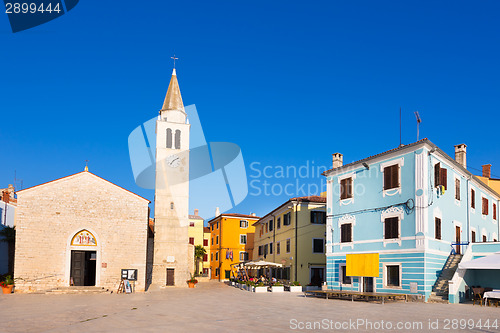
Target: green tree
x=8, y=235
x=199, y=253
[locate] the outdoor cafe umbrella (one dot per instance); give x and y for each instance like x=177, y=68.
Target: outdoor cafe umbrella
x=489, y=262
x=261, y=264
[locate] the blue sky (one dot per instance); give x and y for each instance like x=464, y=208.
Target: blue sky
x=289, y=82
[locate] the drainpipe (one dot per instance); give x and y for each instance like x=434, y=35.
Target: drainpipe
x=296, y=240
x=274, y=237
x=220, y=247
x=468, y=213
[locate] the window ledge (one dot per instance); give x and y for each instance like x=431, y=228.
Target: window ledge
x=346, y=244
x=392, y=240
x=393, y=287
x=345, y=202
x=392, y=191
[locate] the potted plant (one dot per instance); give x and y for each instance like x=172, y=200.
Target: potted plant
x=7, y=285
x=192, y=281
x=277, y=288
x=260, y=288
x=295, y=287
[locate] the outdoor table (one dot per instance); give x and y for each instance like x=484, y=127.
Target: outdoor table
x=491, y=294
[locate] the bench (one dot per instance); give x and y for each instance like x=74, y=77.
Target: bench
x=356, y=294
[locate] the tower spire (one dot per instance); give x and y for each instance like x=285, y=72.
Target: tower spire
x=173, y=99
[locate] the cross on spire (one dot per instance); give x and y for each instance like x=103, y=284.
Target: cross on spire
x=174, y=59
x=86, y=165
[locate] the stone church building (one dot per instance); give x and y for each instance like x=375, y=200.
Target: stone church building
x=82, y=230
x=79, y=230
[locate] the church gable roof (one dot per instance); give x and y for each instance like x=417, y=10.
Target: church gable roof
x=76, y=175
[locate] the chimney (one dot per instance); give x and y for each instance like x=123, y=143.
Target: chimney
x=196, y=212
x=487, y=170
x=5, y=196
x=337, y=160
x=217, y=211
x=12, y=192
x=461, y=154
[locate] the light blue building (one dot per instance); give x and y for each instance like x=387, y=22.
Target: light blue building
x=416, y=208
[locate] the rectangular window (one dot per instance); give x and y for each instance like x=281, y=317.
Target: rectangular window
x=243, y=224
x=346, y=233
x=271, y=225
x=392, y=272
x=191, y=224
x=212, y=241
x=211, y=257
x=346, y=188
x=217, y=225
x=472, y=198
x=278, y=248
x=205, y=242
x=318, y=217
x=344, y=279
x=457, y=188
x=391, y=177
x=278, y=223
x=217, y=240
x=216, y=272
x=243, y=256
x=243, y=239
x=267, y=227
x=318, y=245
x=440, y=176
x=216, y=256
x=191, y=240
x=485, y=206
x=212, y=227
x=205, y=257
x=494, y=211
x=227, y=274
x=288, y=245
x=286, y=219
x=391, y=228
x=437, y=230
x=473, y=236
x=270, y=248
x=265, y=250
x=260, y=250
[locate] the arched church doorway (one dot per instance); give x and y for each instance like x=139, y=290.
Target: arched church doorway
x=83, y=259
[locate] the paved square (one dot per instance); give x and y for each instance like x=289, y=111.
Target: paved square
x=216, y=307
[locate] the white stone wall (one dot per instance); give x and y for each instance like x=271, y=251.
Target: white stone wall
x=49, y=215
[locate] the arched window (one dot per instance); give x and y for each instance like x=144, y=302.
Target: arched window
x=169, y=138
x=177, y=139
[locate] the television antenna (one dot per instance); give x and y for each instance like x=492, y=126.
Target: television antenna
x=419, y=120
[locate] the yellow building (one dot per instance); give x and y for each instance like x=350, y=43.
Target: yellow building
x=294, y=235
x=494, y=183
x=196, y=235
x=231, y=242
x=206, y=245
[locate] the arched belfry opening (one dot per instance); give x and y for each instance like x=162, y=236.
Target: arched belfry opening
x=83, y=259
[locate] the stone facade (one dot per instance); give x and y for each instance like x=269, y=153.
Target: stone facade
x=51, y=214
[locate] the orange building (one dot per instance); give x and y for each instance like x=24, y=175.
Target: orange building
x=231, y=242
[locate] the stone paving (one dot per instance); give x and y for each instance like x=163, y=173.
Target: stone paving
x=216, y=307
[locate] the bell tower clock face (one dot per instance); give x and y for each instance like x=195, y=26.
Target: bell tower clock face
x=173, y=161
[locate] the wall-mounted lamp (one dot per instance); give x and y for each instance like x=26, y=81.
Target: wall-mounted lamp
x=366, y=165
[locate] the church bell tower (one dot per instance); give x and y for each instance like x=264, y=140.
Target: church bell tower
x=172, y=253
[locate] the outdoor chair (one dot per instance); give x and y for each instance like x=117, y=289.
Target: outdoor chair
x=477, y=295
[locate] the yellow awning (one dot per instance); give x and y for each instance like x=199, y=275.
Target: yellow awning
x=362, y=264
